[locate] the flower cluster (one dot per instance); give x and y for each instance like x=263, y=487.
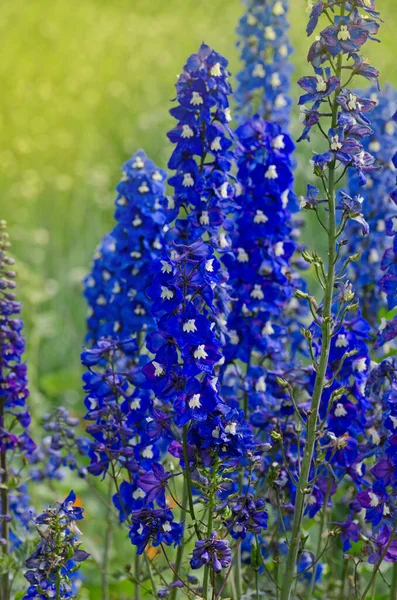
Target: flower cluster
x=265, y=78
x=202, y=157
x=115, y=288
x=57, y=555
x=259, y=265
x=377, y=205
x=16, y=444
x=59, y=448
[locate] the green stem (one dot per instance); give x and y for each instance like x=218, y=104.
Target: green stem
x=378, y=564
x=181, y=547
x=320, y=375
x=149, y=566
x=189, y=482
x=58, y=586
x=320, y=535
x=108, y=544
x=393, y=589
x=344, y=577
x=137, y=591
x=209, y=524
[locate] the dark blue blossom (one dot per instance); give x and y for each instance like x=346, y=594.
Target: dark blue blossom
x=213, y=552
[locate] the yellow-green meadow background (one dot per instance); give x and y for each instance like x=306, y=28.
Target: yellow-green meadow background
x=83, y=84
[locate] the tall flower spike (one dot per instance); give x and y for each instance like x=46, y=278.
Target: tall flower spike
x=115, y=288
x=377, y=205
x=265, y=78
x=15, y=440
x=202, y=157
x=343, y=125
x=259, y=265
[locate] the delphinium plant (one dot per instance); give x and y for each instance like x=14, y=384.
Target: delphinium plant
x=16, y=445
x=56, y=559
x=377, y=204
x=337, y=419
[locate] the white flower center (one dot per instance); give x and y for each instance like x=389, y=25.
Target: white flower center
x=166, y=267
x=257, y=292
x=137, y=221
x=278, y=9
x=359, y=365
x=336, y=144
x=148, y=452
x=187, y=132
x=259, y=71
x=138, y=163
x=166, y=293
x=352, y=103
x=278, y=142
x=158, y=369
x=216, y=70
x=189, y=326
x=268, y=329
x=196, y=99
x=321, y=85
x=231, y=428
x=204, y=219
x=279, y=249
x=341, y=341
x=209, y=266
x=143, y=188
x=374, y=499
x=194, y=401
x=260, y=385
x=343, y=33
x=200, y=352
x=340, y=410
x=188, y=180
x=270, y=34
x=280, y=101
x=271, y=172
x=275, y=80
x=135, y=404
x=242, y=255
x=260, y=217
x=216, y=144
x=138, y=493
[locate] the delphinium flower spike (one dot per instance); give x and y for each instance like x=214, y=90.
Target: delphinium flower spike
x=188, y=295
x=58, y=554
x=15, y=440
x=342, y=117
x=265, y=78
x=115, y=288
x=376, y=204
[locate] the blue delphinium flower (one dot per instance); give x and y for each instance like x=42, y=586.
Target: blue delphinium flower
x=57, y=555
x=265, y=78
x=15, y=440
x=202, y=158
x=213, y=551
x=115, y=288
x=377, y=204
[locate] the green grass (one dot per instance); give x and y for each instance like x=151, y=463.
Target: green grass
x=84, y=84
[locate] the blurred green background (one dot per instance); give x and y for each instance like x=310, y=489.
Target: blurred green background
x=84, y=83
